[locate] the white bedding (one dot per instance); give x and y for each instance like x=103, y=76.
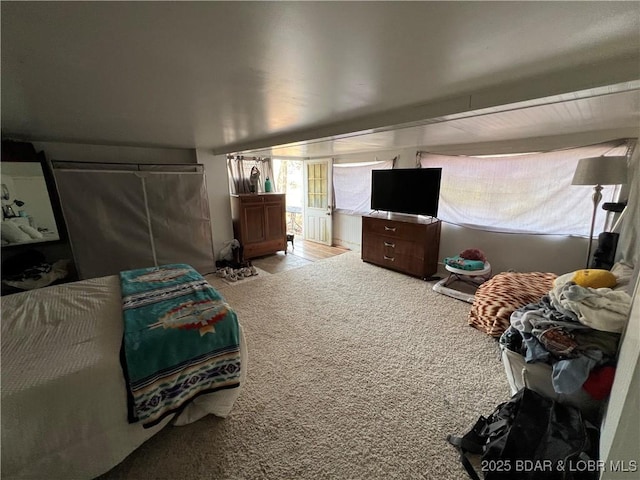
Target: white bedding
x=64, y=406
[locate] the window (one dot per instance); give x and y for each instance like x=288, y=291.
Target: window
x=289, y=179
x=352, y=185
x=525, y=193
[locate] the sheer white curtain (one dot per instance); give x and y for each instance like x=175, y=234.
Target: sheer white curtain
x=524, y=193
x=352, y=185
x=239, y=168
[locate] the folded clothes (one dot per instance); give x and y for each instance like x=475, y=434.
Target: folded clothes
x=463, y=263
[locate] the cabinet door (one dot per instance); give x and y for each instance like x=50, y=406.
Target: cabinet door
x=274, y=214
x=253, y=219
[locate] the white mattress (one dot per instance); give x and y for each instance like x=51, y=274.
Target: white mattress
x=64, y=407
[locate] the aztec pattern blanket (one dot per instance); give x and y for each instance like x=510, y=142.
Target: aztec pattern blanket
x=180, y=340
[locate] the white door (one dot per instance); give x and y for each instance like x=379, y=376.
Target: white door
x=317, y=211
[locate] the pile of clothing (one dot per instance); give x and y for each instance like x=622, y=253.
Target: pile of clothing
x=575, y=328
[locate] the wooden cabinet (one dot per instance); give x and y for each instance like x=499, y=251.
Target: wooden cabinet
x=401, y=242
x=259, y=223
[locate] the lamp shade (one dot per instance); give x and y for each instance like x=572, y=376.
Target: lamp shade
x=601, y=171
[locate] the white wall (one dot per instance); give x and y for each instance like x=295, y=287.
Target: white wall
x=620, y=435
x=219, y=200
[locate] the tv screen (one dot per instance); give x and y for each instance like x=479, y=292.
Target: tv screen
x=406, y=190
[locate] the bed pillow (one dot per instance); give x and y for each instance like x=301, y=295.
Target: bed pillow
x=12, y=234
x=496, y=299
x=32, y=232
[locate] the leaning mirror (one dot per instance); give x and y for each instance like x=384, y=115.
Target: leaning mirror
x=27, y=210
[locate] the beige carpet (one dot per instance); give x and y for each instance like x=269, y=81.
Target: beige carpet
x=355, y=372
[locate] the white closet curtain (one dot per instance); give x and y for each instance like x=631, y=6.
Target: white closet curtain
x=521, y=193
x=239, y=168
x=352, y=185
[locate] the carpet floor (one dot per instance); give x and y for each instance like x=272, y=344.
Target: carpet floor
x=354, y=372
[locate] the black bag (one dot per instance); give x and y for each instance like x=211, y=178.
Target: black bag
x=531, y=437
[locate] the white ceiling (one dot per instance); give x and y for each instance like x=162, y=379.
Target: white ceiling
x=604, y=116
x=240, y=76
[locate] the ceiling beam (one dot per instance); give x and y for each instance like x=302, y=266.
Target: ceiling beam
x=611, y=76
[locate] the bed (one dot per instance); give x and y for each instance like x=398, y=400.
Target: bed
x=65, y=401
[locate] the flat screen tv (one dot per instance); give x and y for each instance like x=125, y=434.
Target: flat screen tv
x=406, y=190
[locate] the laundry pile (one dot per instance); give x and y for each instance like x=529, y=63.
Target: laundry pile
x=575, y=328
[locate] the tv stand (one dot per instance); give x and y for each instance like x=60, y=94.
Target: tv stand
x=406, y=243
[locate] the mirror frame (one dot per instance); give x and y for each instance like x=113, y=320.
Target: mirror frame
x=15, y=151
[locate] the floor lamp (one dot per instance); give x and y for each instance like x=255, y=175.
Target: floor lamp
x=599, y=171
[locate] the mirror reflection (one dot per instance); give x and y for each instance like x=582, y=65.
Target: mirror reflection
x=27, y=214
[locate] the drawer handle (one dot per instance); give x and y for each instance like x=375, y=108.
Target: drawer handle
x=389, y=258
x=389, y=244
x=390, y=229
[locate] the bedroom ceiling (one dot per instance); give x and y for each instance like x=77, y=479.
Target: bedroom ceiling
x=322, y=78
x=611, y=115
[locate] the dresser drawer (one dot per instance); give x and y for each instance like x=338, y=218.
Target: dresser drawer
x=405, y=230
x=394, y=261
x=251, y=199
x=251, y=250
x=390, y=246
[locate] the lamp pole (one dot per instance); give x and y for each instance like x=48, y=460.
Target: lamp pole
x=597, y=196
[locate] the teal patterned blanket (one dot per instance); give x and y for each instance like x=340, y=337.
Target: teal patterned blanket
x=181, y=340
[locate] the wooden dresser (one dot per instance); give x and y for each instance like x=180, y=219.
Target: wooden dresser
x=404, y=243
x=259, y=223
